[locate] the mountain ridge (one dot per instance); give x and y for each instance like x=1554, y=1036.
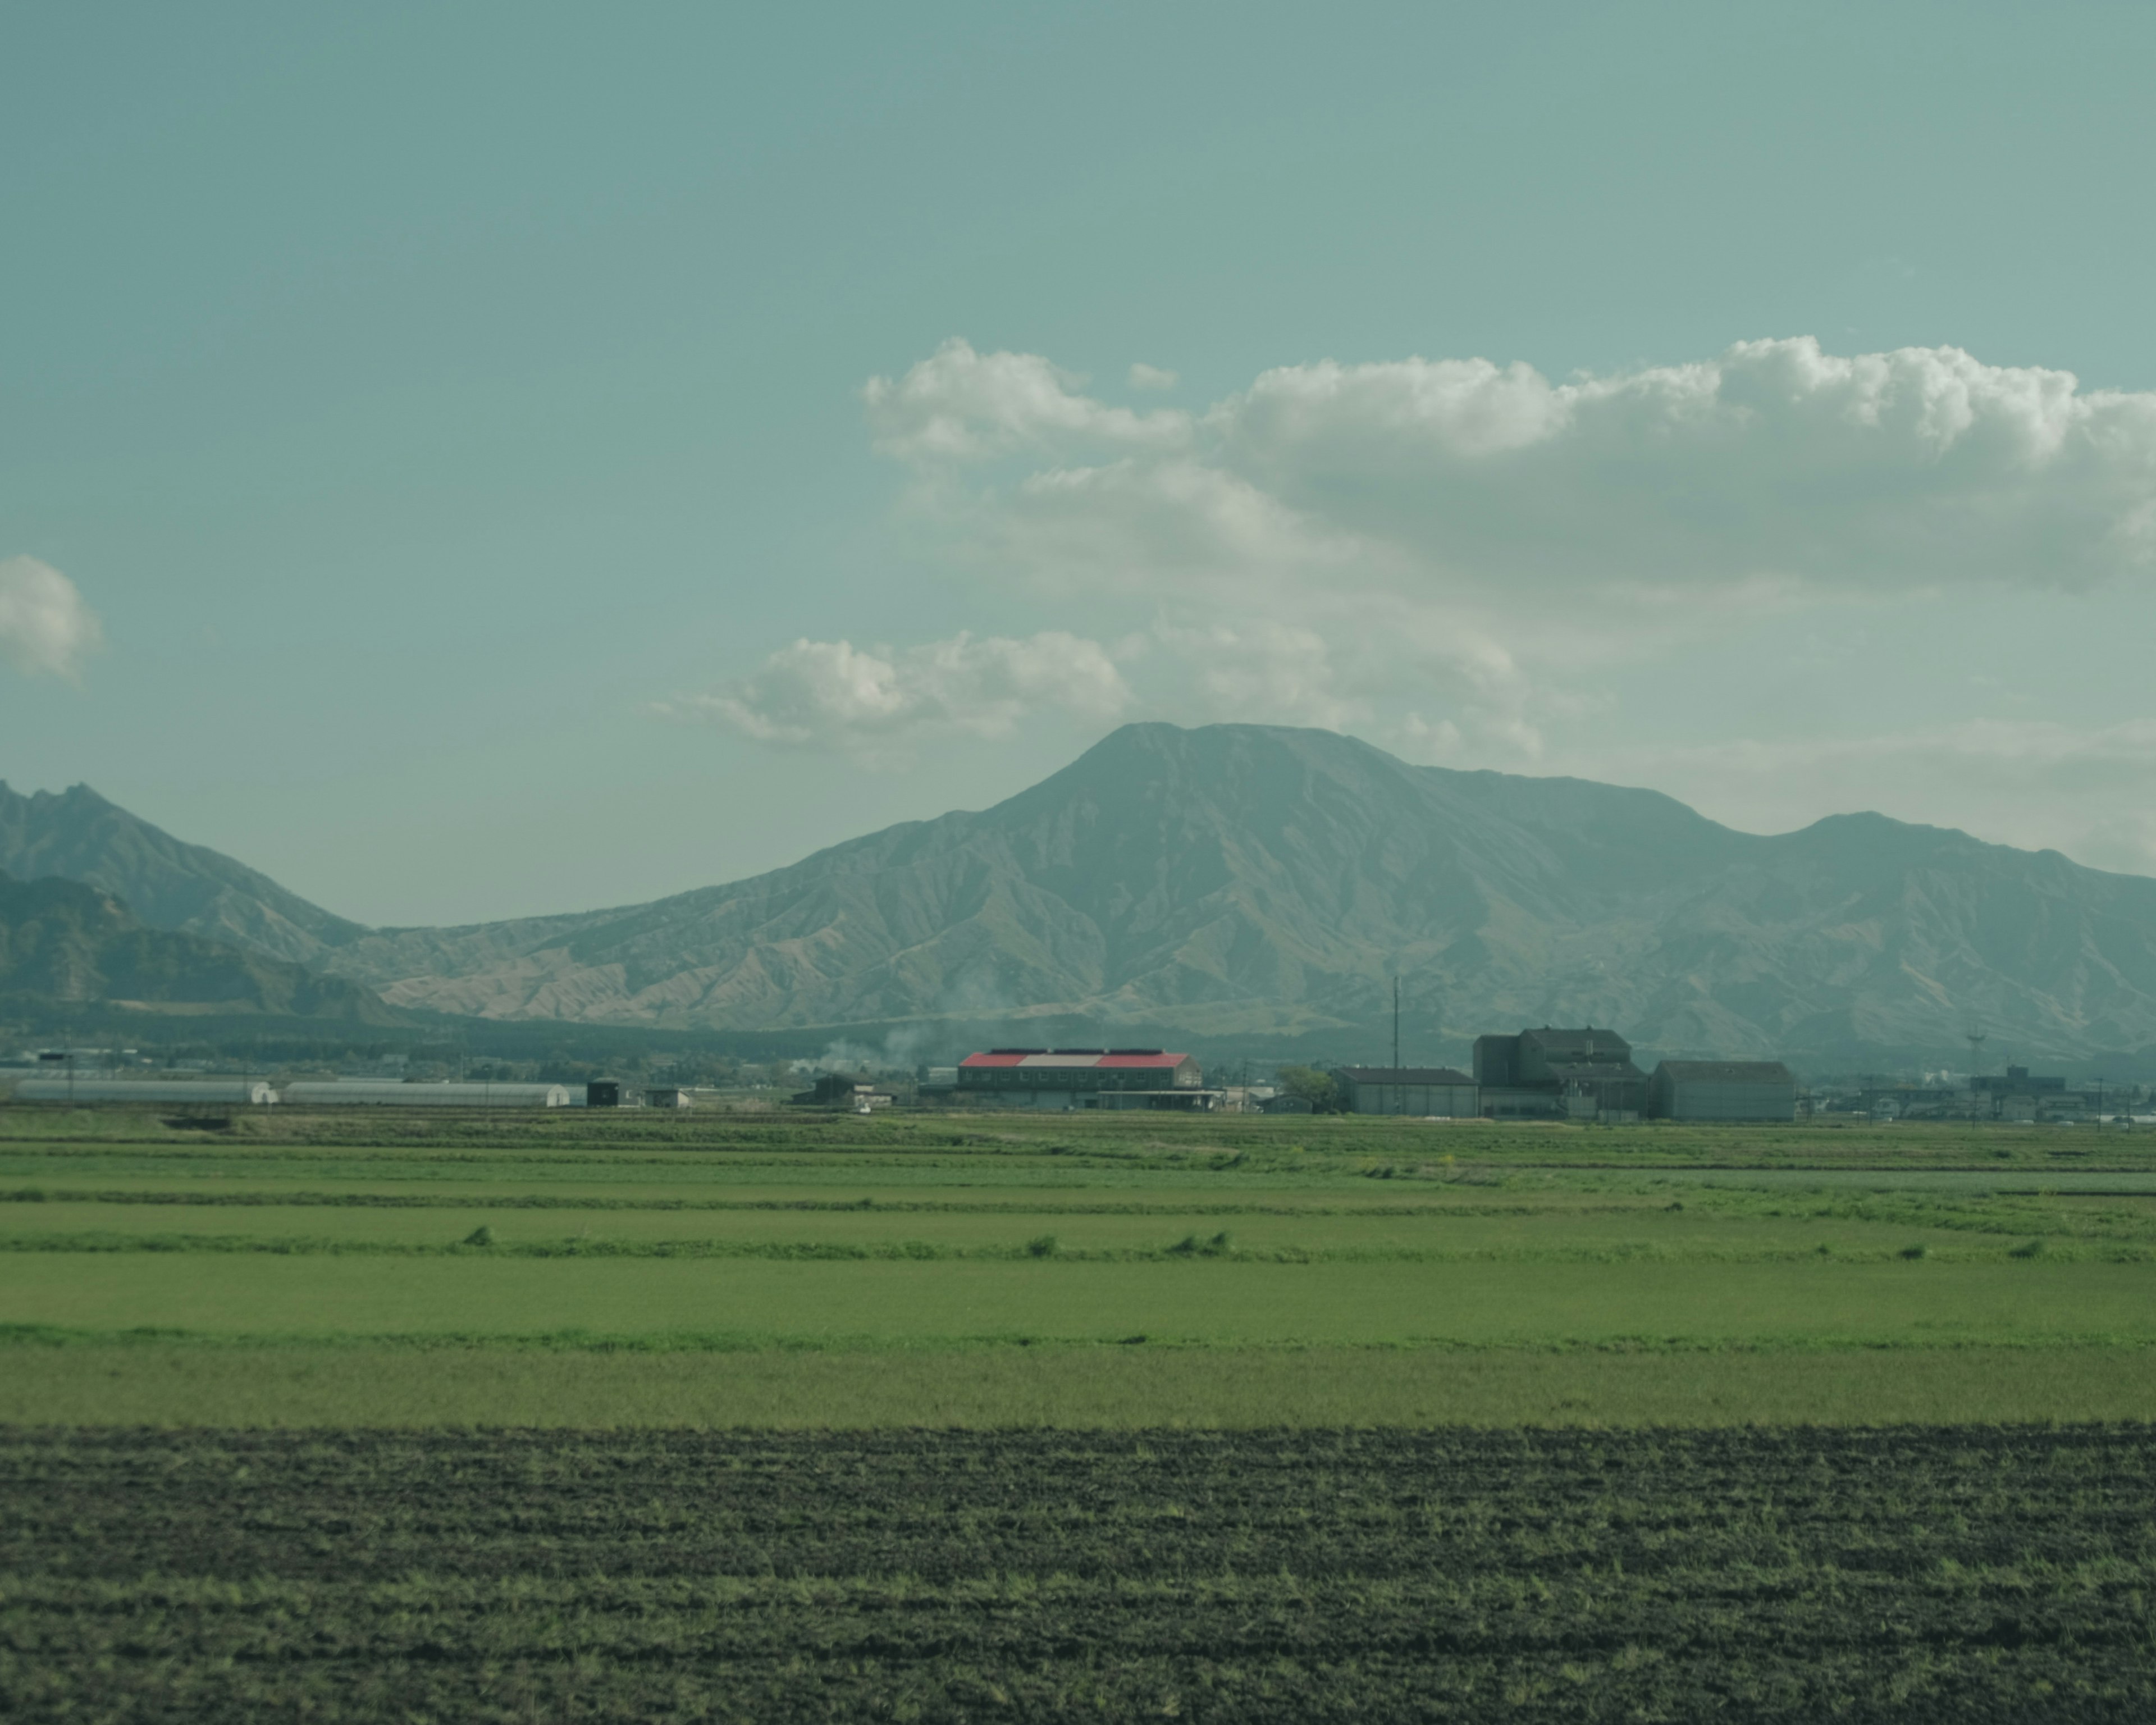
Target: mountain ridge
x=188, y=889
x=1268, y=881
x=67, y=943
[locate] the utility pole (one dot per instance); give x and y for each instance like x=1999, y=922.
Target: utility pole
x=1977, y=1039
x=1396, y=1024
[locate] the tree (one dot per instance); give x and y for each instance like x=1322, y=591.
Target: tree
x=1313, y=1087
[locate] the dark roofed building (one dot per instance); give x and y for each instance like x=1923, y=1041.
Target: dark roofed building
x=1582, y=1074
x=1441, y=1092
x=1547, y=1054
x=1723, y=1090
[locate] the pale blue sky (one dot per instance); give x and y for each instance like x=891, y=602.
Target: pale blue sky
x=422, y=398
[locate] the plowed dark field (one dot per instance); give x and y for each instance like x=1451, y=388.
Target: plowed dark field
x=1966, y=1574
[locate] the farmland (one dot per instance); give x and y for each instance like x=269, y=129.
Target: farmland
x=1132, y=1270
x=1277, y=1575
x=763, y=1417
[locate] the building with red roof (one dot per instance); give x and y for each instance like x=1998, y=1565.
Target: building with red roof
x=1083, y=1078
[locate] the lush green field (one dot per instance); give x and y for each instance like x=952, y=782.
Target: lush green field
x=1016, y=1269
x=640, y=1419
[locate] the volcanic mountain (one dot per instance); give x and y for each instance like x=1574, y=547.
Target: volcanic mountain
x=1265, y=882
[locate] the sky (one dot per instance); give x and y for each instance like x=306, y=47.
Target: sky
x=480, y=460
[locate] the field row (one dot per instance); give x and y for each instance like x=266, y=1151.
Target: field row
x=701, y=1384
x=1355, y=1143
x=1268, y=1575
x=1220, y=1246
x=1815, y=1301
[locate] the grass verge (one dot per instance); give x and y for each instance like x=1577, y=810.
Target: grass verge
x=154, y=1384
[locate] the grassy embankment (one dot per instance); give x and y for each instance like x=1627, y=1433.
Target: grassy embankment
x=1131, y=1270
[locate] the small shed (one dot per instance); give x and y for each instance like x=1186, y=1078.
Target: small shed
x=668, y=1096
x=1721, y=1090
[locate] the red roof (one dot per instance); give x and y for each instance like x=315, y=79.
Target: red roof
x=1043, y=1058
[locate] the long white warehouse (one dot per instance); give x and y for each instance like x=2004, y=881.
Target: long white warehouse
x=335, y=1093
x=247, y=1091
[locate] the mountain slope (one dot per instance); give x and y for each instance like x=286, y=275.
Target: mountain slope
x=61, y=940
x=79, y=836
x=1245, y=879
x=1241, y=878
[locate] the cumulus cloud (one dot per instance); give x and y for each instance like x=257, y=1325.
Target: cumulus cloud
x=1774, y=464
x=958, y=405
x=1146, y=376
x=1257, y=669
x=831, y=694
x=45, y=624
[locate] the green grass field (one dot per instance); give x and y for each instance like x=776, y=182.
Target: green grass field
x=744, y=1271
x=342, y=1417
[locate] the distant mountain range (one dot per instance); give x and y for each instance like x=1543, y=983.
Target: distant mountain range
x=1257, y=881
x=79, y=836
x=62, y=943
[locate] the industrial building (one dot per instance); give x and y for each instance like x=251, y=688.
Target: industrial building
x=1425, y=1092
x=842, y=1090
x=1552, y=1074
x=1721, y=1090
x=353, y=1093
x=217, y=1092
x=1108, y=1078
x=2018, y=1082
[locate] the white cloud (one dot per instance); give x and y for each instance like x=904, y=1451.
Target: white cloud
x=1146, y=376
x=831, y=694
x=1444, y=553
x=1254, y=669
x=958, y=405
x=1773, y=466
x=45, y=624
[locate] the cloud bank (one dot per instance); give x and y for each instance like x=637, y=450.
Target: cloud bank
x=831, y=694
x=45, y=626
x=1775, y=462
x=1473, y=563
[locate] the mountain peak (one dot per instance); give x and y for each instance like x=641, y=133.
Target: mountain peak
x=1268, y=882
x=80, y=834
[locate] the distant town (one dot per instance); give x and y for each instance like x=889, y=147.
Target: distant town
x=1583, y=1075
